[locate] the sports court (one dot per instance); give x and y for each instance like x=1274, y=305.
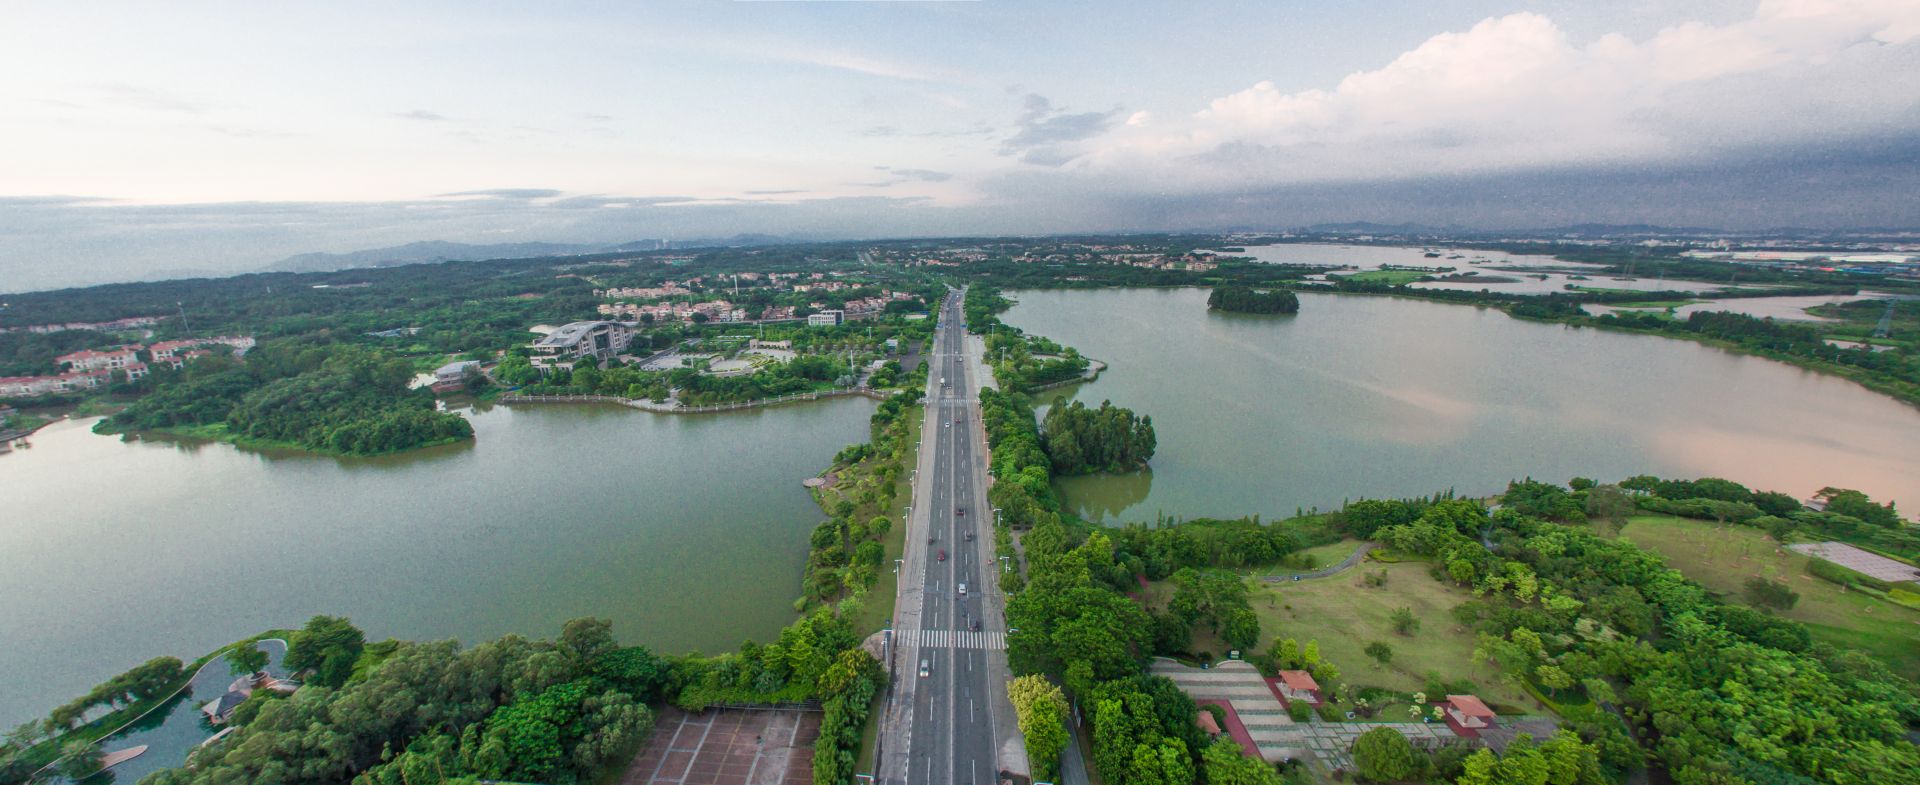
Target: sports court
x=728, y=747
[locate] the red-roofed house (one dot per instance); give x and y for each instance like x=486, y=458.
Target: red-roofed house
x=90, y=360
x=1297, y=686
x=1467, y=715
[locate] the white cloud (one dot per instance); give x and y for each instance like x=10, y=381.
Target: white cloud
x=1515, y=92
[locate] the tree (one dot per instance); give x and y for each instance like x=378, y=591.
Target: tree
x=1383, y=755
x=586, y=640
x=246, y=658
x=1553, y=678
x=1041, y=711
x=328, y=646
x=1609, y=502
x=1404, y=622
x=1226, y=764
x=1771, y=594
x=1379, y=650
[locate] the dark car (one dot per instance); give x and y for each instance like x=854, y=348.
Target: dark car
x=960, y=512
x=975, y=626
x=943, y=554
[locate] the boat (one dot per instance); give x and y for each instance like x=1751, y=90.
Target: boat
x=118, y=757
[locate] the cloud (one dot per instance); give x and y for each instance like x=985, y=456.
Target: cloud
x=1517, y=92
x=775, y=192
x=923, y=175
x=422, y=115
x=504, y=193
x=1042, y=132
x=147, y=98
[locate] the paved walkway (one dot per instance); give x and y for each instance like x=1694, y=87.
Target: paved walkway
x=1864, y=562
x=1269, y=728
x=1343, y=566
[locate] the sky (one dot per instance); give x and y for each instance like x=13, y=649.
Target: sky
x=142, y=140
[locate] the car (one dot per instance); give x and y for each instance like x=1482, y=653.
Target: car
x=974, y=625
x=949, y=425
x=943, y=554
x=925, y=668
x=969, y=536
x=963, y=590
x=959, y=512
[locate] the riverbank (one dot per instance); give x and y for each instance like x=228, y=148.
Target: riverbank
x=218, y=432
x=48, y=752
x=675, y=408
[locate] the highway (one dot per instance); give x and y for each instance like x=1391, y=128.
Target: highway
x=947, y=721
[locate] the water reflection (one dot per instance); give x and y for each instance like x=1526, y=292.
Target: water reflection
x=1392, y=397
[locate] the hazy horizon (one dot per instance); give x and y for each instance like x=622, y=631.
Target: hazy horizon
x=219, y=138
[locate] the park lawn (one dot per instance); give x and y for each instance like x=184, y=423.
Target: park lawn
x=1344, y=615
x=1723, y=557
x=1332, y=553
x=1390, y=277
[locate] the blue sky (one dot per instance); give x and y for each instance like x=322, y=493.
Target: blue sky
x=139, y=139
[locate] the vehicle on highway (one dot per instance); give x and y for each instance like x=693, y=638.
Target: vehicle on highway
x=974, y=625
x=949, y=425
x=924, y=669
x=943, y=554
x=963, y=590
x=969, y=536
x=959, y=512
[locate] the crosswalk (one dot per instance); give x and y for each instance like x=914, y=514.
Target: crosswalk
x=957, y=639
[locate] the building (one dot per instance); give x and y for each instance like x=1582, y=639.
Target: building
x=579, y=340
x=1467, y=715
x=827, y=318
x=111, y=359
x=452, y=377
x=1297, y=686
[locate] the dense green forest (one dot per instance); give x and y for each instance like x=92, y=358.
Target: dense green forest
x=331, y=397
x=1244, y=299
x=1083, y=440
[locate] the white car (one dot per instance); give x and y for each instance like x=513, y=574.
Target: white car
x=924, y=669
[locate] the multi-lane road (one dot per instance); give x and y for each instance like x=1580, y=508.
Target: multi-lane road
x=947, y=720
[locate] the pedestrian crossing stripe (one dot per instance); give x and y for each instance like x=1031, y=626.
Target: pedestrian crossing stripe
x=959, y=639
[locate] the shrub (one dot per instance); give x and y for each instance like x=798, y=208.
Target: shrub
x=1380, y=651
x=1300, y=711
x=1771, y=594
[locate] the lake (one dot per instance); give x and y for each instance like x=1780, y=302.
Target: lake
x=1390, y=397
x=689, y=531
x=1494, y=271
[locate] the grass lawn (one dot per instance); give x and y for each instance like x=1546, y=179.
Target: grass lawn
x=1391, y=277
x=1344, y=616
x=1722, y=558
x=1324, y=555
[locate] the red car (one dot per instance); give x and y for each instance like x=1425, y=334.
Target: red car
x=943, y=554
x=960, y=512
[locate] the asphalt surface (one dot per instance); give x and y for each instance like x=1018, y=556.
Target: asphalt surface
x=944, y=727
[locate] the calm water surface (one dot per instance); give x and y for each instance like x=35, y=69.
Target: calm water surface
x=1389, y=397
x=1496, y=271
x=688, y=531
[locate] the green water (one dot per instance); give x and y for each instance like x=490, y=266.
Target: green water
x=688, y=531
x=1389, y=397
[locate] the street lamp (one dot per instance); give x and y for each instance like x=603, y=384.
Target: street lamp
x=996, y=517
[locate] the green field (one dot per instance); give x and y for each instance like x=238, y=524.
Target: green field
x=1723, y=557
x=1392, y=277
x=1344, y=615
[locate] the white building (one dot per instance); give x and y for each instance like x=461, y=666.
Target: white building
x=827, y=318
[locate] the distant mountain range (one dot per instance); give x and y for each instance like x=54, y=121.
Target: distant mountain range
x=430, y=251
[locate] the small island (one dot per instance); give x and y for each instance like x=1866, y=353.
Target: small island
x=1244, y=299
